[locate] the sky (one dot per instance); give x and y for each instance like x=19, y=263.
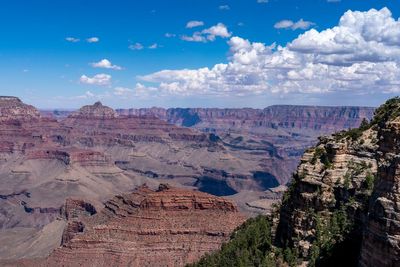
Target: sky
x=200, y=53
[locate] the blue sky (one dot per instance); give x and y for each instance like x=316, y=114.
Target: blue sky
x=149, y=49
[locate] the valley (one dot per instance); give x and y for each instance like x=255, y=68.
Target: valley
x=95, y=153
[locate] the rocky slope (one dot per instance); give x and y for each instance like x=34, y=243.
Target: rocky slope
x=344, y=191
x=166, y=227
x=381, y=240
x=341, y=208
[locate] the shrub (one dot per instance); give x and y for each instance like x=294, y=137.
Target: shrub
x=249, y=246
x=369, y=181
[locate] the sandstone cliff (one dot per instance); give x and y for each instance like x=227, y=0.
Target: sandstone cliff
x=283, y=132
x=166, y=227
x=346, y=190
x=341, y=208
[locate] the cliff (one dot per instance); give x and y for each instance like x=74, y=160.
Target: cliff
x=341, y=208
x=283, y=132
x=316, y=118
x=165, y=227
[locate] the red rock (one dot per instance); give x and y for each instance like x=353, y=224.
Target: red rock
x=167, y=227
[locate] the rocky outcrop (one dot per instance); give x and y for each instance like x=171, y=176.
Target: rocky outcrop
x=334, y=179
x=346, y=190
x=13, y=109
x=95, y=111
x=166, y=227
x=381, y=242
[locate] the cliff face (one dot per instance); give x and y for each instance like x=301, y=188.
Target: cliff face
x=290, y=117
x=166, y=227
x=283, y=132
x=381, y=242
x=346, y=190
x=330, y=190
x=341, y=209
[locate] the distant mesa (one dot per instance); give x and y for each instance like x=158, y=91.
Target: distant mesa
x=97, y=110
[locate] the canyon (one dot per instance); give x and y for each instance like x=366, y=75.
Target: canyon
x=95, y=153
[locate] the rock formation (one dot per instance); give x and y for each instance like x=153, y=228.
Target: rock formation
x=341, y=208
x=381, y=241
x=95, y=153
x=166, y=227
x=13, y=109
x=283, y=132
x=346, y=190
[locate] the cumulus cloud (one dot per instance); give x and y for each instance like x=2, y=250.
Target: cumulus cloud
x=194, y=23
x=136, y=46
x=210, y=34
x=361, y=55
x=105, y=64
x=99, y=79
x=288, y=24
x=72, y=39
x=93, y=40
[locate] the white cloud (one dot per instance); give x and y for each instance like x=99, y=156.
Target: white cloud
x=122, y=91
x=333, y=1
x=288, y=24
x=196, y=37
x=224, y=7
x=86, y=95
x=136, y=46
x=72, y=39
x=194, y=23
x=359, y=56
x=262, y=1
x=154, y=46
x=106, y=64
x=93, y=40
x=218, y=30
x=99, y=79
x=210, y=34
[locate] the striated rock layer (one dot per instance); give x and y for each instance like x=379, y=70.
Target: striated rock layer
x=381, y=242
x=342, y=207
x=282, y=132
x=95, y=153
x=167, y=227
